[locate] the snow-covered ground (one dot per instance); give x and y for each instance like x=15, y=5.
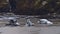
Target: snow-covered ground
x=30, y=30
